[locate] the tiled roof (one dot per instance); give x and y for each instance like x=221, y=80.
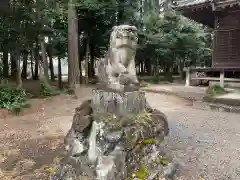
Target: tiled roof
x=182, y=3
x=218, y=3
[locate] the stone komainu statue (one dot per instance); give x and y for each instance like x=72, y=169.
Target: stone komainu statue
x=114, y=134
x=117, y=71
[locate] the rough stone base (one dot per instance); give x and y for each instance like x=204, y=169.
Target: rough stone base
x=116, y=143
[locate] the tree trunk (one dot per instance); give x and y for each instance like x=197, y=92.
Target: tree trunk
x=180, y=68
x=141, y=12
x=152, y=70
x=156, y=68
x=80, y=57
x=73, y=62
x=51, y=68
x=32, y=72
x=80, y=70
x=87, y=61
x=5, y=63
x=44, y=59
x=24, y=68
x=91, y=69
x=13, y=66
x=60, y=85
x=148, y=67
x=18, y=71
x=37, y=59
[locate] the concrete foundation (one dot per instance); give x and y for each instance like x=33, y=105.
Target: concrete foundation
x=226, y=84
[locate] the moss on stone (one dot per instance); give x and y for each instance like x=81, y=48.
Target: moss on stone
x=164, y=158
x=144, y=117
x=164, y=161
x=138, y=137
x=143, y=172
x=152, y=141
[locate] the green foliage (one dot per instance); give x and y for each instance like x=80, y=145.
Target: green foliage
x=169, y=78
x=155, y=80
x=70, y=91
x=166, y=39
x=170, y=40
x=13, y=99
x=46, y=89
x=215, y=90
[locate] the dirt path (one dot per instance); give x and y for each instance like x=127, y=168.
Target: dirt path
x=205, y=142
x=33, y=141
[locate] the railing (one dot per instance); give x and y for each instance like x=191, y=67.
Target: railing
x=200, y=76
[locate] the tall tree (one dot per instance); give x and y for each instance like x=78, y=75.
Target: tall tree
x=73, y=70
x=5, y=62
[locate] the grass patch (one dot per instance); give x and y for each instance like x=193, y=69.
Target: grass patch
x=13, y=99
x=47, y=90
x=215, y=90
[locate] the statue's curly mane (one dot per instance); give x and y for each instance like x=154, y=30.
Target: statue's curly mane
x=122, y=32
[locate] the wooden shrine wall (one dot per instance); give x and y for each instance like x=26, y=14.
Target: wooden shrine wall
x=227, y=40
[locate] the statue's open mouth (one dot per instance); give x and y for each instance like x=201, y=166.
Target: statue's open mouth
x=126, y=34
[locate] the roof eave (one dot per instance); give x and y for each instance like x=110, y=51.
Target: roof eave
x=199, y=12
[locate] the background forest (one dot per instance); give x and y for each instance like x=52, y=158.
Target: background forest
x=36, y=34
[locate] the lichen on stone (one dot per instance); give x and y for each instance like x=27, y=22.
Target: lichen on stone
x=152, y=141
x=164, y=158
x=143, y=172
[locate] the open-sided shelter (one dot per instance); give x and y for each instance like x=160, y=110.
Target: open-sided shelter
x=224, y=17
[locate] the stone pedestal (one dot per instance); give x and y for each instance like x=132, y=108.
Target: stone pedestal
x=113, y=135
x=118, y=103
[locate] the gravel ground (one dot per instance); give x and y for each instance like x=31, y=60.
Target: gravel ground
x=205, y=143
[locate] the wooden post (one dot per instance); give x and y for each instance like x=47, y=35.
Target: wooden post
x=188, y=78
x=222, y=79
